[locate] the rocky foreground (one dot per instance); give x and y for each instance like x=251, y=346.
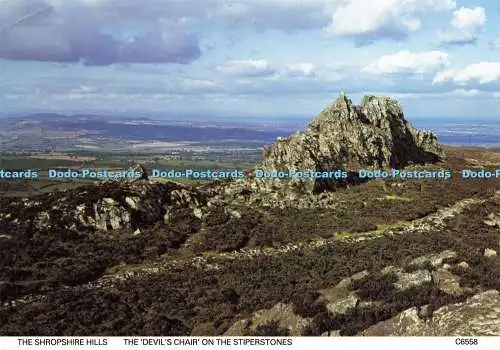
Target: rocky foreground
x=263, y=257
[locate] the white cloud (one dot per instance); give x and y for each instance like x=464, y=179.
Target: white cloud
x=198, y=86
x=465, y=26
x=78, y=32
x=464, y=17
x=465, y=93
x=199, y=82
x=403, y=95
x=482, y=73
x=247, y=68
x=408, y=62
x=389, y=18
x=12, y=96
x=261, y=68
x=457, y=93
x=83, y=89
x=300, y=69
x=495, y=44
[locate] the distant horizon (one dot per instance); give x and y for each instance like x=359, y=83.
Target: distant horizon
x=223, y=117
x=454, y=131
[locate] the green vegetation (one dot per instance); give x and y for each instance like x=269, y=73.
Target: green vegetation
x=98, y=160
x=397, y=198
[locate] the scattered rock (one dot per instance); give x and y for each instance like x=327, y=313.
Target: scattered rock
x=234, y=213
x=407, y=280
x=5, y=215
x=167, y=218
x=413, y=279
x=331, y=334
x=204, y=330
x=447, y=282
x=341, y=304
x=435, y=260
x=493, y=220
x=42, y=220
x=340, y=298
x=198, y=213
x=407, y=323
x=110, y=206
x=477, y=316
x=490, y=253
x=282, y=313
x=109, y=215
x=133, y=202
x=424, y=312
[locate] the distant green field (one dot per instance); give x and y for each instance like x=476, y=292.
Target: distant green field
x=42, y=163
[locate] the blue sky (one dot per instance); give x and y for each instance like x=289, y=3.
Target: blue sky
x=248, y=58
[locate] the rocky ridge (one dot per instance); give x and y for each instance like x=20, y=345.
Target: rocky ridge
x=348, y=297
x=105, y=207
x=477, y=315
x=343, y=137
x=374, y=134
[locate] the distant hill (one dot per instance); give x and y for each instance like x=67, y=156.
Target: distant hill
x=111, y=132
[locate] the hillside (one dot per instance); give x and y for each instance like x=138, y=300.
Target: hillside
x=268, y=256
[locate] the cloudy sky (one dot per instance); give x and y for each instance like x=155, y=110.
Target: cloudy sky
x=249, y=58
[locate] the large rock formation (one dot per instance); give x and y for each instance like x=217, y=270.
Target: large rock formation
x=372, y=135
x=477, y=316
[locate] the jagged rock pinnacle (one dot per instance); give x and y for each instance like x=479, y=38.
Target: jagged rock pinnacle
x=374, y=134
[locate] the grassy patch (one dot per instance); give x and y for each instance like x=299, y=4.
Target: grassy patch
x=342, y=235
x=397, y=198
x=318, y=240
x=397, y=225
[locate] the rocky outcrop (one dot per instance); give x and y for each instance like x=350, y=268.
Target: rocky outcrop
x=493, y=220
x=341, y=298
x=303, y=169
x=477, y=316
x=433, y=260
x=373, y=135
x=404, y=280
x=490, y=253
x=342, y=139
x=281, y=313
x=105, y=207
x=367, y=292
